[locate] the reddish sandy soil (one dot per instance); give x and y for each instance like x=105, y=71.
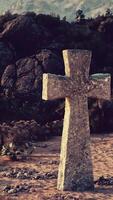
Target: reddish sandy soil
x=102, y=155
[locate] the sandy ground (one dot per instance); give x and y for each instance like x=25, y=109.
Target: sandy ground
x=46, y=159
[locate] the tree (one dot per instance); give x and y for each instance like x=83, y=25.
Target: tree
x=64, y=18
x=79, y=15
x=108, y=12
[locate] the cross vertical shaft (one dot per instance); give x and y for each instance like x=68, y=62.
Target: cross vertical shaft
x=75, y=170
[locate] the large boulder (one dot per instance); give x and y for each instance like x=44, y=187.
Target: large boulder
x=22, y=88
x=8, y=77
x=29, y=76
x=25, y=76
x=51, y=63
x=7, y=55
x=23, y=33
x=5, y=18
x=22, y=78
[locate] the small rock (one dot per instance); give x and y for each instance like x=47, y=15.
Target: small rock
x=104, y=181
x=6, y=188
x=11, y=191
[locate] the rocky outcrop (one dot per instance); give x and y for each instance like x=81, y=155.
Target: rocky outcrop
x=20, y=132
x=25, y=76
x=24, y=34
x=51, y=62
x=31, y=45
x=7, y=55
x=29, y=76
x=8, y=78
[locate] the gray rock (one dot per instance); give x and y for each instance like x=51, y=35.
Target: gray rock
x=7, y=55
x=22, y=29
x=12, y=191
x=50, y=62
x=7, y=188
x=22, y=78
x=9, y=76
x=17, y=134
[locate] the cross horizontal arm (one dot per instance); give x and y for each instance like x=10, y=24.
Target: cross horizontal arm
x=100, y=86
x=54, y=86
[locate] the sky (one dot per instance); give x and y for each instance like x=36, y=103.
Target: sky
x=63, y=7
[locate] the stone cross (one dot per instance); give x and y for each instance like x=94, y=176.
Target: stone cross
x=75, y=169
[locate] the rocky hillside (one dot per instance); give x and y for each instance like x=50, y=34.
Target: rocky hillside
x=31, y=45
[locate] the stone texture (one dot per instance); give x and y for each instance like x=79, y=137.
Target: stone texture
x=25, y=173
x=7, y=55
x=19, y=132
x=51, y=62
x=24, y=77
x=23, y=33
x=8, y=77
x=29, y=76
x=75, y=170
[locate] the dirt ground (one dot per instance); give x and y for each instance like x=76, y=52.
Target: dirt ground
x=45, y=159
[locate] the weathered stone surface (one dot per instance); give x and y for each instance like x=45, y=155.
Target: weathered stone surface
x=1, y=141
x=8, y=77
x=75, y=170
x=20, y=132
x=22, y=29
x=22, y=89
x=23, y=78
x=26, y=173
x=6, y=55
x=50, y=61
x=29, y=76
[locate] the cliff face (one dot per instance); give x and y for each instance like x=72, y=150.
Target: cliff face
x=31, y=45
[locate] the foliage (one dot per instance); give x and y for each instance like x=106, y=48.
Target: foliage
x=80, y=15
